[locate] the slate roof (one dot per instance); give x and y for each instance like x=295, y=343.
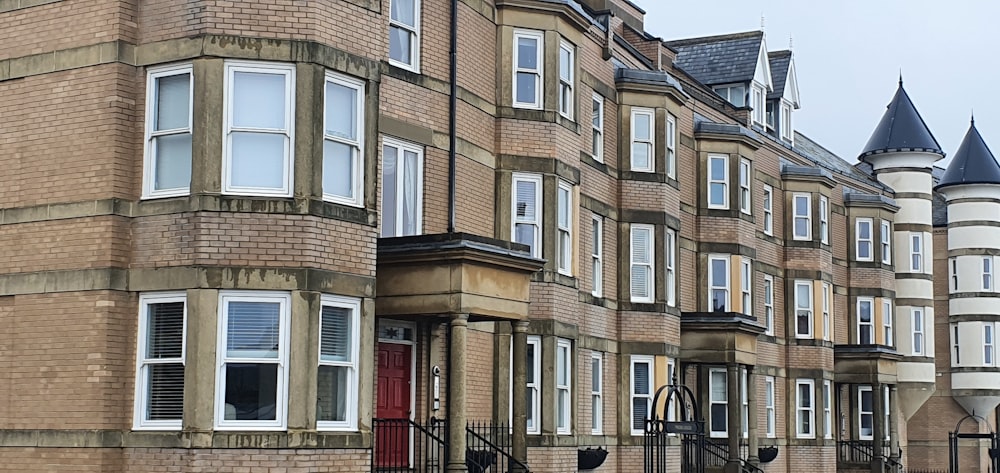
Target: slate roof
x=779, y=62
x=640, y=76
x=901, y=129
x=973, y=163
x=724, y=59
x=815, y=152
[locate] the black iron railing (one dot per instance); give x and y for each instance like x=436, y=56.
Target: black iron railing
x=716, y=453
x=489, y=446
x=864, y=451
x=402, y=445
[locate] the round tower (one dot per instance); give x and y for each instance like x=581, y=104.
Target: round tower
x=971, y=187
x=902, y=152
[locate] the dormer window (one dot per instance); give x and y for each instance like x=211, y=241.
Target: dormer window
x=734, y=94
x=785, y=125
x=757, y=103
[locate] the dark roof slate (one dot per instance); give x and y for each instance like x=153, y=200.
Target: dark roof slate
x=724, y=59
x=901, y=129
x=779, y=62
x=973, y=163
x=815, y=152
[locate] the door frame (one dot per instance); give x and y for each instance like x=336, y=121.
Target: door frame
x=380, y=325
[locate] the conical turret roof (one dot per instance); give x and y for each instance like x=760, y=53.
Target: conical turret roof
x=901, y=129
x=973, y=163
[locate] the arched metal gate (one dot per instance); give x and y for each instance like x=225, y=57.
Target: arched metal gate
x=954, y=437
x=686, y=423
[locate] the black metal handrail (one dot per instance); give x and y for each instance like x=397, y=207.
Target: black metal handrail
x=717, y=453
x=402, y=445
x=489, y=447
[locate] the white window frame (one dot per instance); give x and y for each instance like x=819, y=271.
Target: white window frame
x=354, y=306
x=670, y=261
x=917, y=331
x=566, y=88
x=564, y=349
x=827, y=301
x=768, y=304
x=757, y=102
x=787, y=132
x=536, y=179
x=796, y=216
x=650, y=143
x=799, y=306
x=885, y=237
x=729, y=92
x=149, y=190
x=860, y=242
x=564, y=230
x=987, y=278
x=745, y=201
x=769, y=410
x=824, y=220
x=139, y=421
x=862, y=413
x=744, y=405
x=712, y=402
x=414, y=31
x=746, y=285
x=597, y=256
x=534, y=387
x=357, y=145
x=401, y=148
x=887, y=331
x=916, y=252
x=956, y=358
x=633, y=396
x=768, y=203
x=539, y=72
x=671, y=157
x=871, y=320
x=989, y=343
x=885, y=411
x=953, y=274
x=649, y=266
x=597, y=393
x=597, y=127
x=288, y=165
x=724, y=182
x=712, y=287
x=828, y=409
x=284, y=300
x=805, y=410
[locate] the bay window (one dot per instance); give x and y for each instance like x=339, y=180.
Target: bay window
x=887, y=322
x=768, y=204
x=533, y=384
x=641, y=392
x=597, y=129
x=159, y=387
x=745, y=186
x=805, y=409
x=866, y=413
x=916, y=252
x=566, y=65
x=642, y=139
x=527, y=69
x=718, y=283
x=337, y=372
x=671, y=146
x=597, y=256
x=746, y=284
x=564, y=223
x=885, y=238
x=718, y=402
x=917, y=329
x=769, y=409
x=526, y=211
x=824, y=220
x=167, y=163
x=404, y=33
x=596, y=393
x=641, y=267
x=564, y=379
x=801, y=216
x=769, y=305
x=866, y=335
x=803, y=309
x=863, y=239
x=343, y=140
x=718, y=182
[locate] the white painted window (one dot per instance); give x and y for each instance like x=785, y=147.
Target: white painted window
x=343, y=140
x=671, y=146
x=643, y=148
x=988, y=344
x=718, y=395
x=828, y=409
x=745, y=186
x=167, y=163
x=768, y=210
x=564, y=379
x=596, y=393
x=534, y=384
x=641, y=267
x=866, y=331
x=404, y=34
x=718, y=283
x=988, y=273
x=744, y=405
x=564, y=222
x=866, y=413
x=566, y=66
x=803, y=309
x=402, y=188
x=769, y=410
x=597, y=255
x=769, y=304
x=917, y=327
x=670, y=260
x=159, y=385
x=735, y=94
x=953, y=274
x=718, y=182
x=746, y=285
x=863, y=239
x=526, y=200
x=827, y=311
x=885, y=411
x=259, y=117
x=674, y=407
x=886, y=237
x=805, y=409
x=802, y=216
x=337, y=373
x=787, y=131
x=956, y=359
x=597, y=129
x=758, y=105
x=824, y=220
x=252, y=383
x=641, y=392
x=916, y=252
x=528, y=69
x=887, y=322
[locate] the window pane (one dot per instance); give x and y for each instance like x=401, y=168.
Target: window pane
x=641, y=126
x=173, y=101
x=251, y=391
x=173, y=161
x=719, y=276
x=718, y=193
x=165, y=384
x=718, y=386
x=596, y=114
x=403, y=11
x=640, y=155
x=530, y=368
x=561, y=367
x=718, y=169
x=165, y=330
x=641, y=373
x=331, y=393
x=563, y=207
x=524, y=233
x=718, y=415
x=640, y=411
x=335, y=334
x=400, y=45
x=338, y=169
x=411, y=200
x=526, y=192
x=526, y=87
x=258, y=160
x=389, y=157
x=595, y=374
x=805, y=396
x=341, y=111
x=258, y=100
x=565, y=65
x=801, y=206
x=527, y=57
x=801, y=226
x=252, y=329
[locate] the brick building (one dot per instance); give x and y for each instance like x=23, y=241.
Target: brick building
x=291, y=236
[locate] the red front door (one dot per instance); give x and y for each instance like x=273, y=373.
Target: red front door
x=393, y=402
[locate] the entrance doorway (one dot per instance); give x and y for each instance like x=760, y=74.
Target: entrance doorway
x=394, y=401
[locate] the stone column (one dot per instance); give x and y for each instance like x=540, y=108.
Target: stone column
x=893, y=423
x=752, y=420
x=519, y=401
x=878, y=429
x=456, y=394
x=734, y=411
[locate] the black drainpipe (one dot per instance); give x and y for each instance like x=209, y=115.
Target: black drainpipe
x=452, y=106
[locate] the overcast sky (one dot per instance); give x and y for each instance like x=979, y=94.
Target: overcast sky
x=848, y=55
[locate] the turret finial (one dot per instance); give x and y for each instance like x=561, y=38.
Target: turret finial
x=789, y=41
x=900, y=77
x=762, y=21
x=972, y=117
